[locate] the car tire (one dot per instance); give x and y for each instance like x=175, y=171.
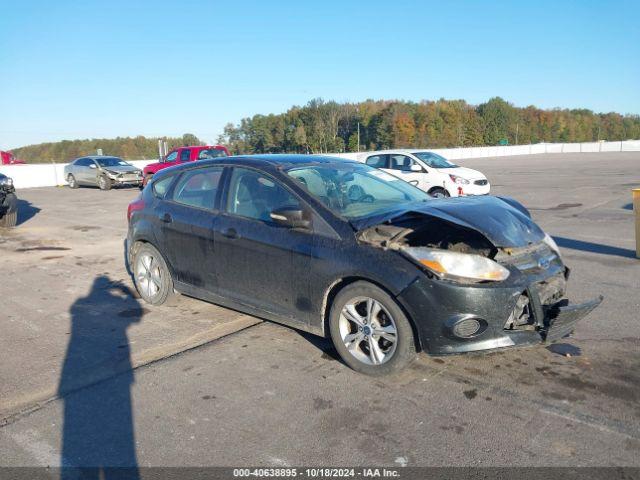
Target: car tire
x=104, y=183
x=9, y=220
x=71, y=180
x=151, y=274
x=439, y=193
x=378, y=344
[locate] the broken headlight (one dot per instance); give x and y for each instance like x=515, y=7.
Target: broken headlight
x=457, y=266
x=551, y=243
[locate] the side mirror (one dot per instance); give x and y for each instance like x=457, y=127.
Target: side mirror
x=416, y=168
x=93, y=165
x=290, y=217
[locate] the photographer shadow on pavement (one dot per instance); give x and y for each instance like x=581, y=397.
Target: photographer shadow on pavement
x=98, y=439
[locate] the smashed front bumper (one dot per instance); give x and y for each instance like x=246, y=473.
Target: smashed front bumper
x=126, y=179
x=455, y=318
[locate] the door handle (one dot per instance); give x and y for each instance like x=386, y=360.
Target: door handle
x=230, y=233
x=166, y=218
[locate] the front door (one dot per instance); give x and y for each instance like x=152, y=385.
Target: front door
x=400, y=166
x=187, y=219
x=259, y=263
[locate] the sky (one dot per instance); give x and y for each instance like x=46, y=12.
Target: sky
x=101, y=69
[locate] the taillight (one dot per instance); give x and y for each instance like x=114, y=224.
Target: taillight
x=134, y=206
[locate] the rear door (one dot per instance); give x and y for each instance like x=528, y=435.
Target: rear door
x=262, y=264
x=83, y=172
x=187, y=218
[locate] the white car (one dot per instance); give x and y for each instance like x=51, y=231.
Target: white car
x=426, y=170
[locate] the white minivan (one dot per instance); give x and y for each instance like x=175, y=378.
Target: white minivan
x=426, y=170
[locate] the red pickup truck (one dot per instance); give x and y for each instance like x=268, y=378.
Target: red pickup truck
x=184, y=154
x=7, y=158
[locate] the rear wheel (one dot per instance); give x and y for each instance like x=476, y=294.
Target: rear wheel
x=151, y=275
x=370, y=331
x=104, y=183
x=71, y=180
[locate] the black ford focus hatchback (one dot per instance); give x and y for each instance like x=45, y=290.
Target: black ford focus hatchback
x=346, y=251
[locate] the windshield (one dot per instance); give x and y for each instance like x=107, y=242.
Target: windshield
x=111, y=162
x=354, y=191
x=434, y=160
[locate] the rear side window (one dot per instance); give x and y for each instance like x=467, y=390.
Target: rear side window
x=198, y=188
x=377, y=161
x=185, y=155
x=160, y=187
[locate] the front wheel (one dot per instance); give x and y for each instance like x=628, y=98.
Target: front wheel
x=104, y=183
x=151, y=275
x=370, y=331
x=439, y=193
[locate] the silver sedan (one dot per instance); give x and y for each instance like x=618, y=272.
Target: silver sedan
x=101, y=171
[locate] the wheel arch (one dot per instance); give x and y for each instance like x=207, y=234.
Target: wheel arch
x=335, y=288
x=433, y=189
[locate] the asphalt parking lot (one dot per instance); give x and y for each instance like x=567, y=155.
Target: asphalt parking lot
x=255, y=393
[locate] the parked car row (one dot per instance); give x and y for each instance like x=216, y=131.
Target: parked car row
x=343, y=250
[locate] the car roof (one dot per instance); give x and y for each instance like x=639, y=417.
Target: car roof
x=96, y=157
x=277, y=160
x=399, y=150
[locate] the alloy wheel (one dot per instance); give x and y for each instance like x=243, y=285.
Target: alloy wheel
x=149, y=276
x=368, y=330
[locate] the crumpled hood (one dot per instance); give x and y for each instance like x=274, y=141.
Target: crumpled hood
x=499, y=220
x=122, y=169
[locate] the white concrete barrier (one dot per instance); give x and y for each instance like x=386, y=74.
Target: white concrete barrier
x=45, y=174
x=49, y=175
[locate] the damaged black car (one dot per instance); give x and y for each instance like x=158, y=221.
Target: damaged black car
x=8, y=202
x=346, y=251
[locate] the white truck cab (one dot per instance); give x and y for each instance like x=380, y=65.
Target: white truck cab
x=426, y=170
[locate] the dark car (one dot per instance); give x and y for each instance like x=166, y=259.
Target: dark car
x=8, y=202
x=340, y=249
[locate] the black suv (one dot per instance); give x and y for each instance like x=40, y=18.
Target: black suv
x=340, y=249
x=8, y=202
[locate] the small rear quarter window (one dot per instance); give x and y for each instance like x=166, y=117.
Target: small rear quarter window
x=161, y=186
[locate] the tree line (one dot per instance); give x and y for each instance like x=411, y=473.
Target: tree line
x=320, y=126
x=328, y=126
x=133, y=148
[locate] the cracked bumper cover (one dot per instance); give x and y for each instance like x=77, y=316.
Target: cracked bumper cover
x=435, y=305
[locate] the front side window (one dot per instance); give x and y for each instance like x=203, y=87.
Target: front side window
x=172, y=157
x=434, y=160
x=352, y=190
x=185, y=155
x=401, y=162
x=198, y=188
x=255, y=195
